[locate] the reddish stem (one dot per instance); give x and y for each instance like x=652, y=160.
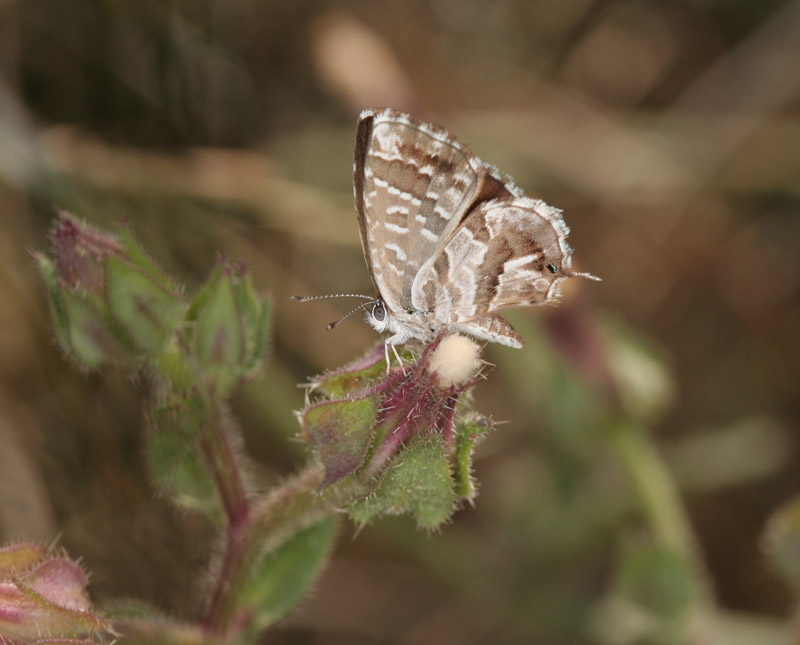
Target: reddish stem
x=227, y=474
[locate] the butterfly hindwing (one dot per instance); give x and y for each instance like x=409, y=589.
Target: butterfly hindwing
x=505, y=253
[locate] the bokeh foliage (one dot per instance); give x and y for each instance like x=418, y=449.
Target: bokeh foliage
x=669, y=134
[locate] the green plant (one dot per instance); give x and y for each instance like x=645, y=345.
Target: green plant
x=384, y=439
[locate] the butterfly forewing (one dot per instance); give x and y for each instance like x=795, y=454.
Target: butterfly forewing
x=413, y=185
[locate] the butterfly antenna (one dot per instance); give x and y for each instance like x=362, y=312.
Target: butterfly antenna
x=349, y=313
x=337, y=295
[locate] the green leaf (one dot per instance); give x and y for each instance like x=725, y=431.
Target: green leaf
x=174, y=456
x=219, y=340
x=347, y=381
x=651, y=599
x=418, y=482
x=147, y=312
x=135, y=255
x=181, y=473
x=92, y=339
x=283, y=576
x=341, y=432
x=260, y=337
x=141, y=623
x=255, y=314
x=199, y=300
x=174, y=365
x=469, y=432
x=656, y=577
x=57, y=307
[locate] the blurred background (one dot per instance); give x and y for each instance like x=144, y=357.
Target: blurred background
x=669, y=132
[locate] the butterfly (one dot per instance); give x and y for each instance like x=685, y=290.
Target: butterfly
x=447, y=239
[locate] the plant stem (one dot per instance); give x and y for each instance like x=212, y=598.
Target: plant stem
x=654, y=487
x=293, y=506
x=226, y=468
x=219, y=453
x=665, y=512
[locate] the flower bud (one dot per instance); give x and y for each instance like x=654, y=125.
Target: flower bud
x=231, y=327
x=110, y=303
x=147, y=311
x=80, y=251
x=405, y=435
x=82, y=326
x=44, y=595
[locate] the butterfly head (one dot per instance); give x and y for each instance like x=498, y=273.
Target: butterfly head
x=402, y=325
x=378, y=316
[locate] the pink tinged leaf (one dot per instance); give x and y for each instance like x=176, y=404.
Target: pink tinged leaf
x=49, y=599
x=61, y=582
x=341, y=432
x=79, y=251
x=354, y=377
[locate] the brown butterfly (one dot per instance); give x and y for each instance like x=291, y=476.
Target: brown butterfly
x=448, y=240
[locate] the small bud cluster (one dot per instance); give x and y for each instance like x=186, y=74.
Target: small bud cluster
x=112, y=304
x=406, y=435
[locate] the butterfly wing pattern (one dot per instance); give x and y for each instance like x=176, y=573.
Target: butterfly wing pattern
x=448, y=241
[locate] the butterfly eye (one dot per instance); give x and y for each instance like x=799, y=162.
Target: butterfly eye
x=378, y=312
x=553, y=268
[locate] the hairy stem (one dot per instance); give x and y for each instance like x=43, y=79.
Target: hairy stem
x=219, y=453
x=221, y=457
x=290, y=508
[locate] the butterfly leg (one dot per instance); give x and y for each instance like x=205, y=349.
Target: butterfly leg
x=386, y=346
x=399, y=360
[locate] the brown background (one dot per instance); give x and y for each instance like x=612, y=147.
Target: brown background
x=667, y=131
